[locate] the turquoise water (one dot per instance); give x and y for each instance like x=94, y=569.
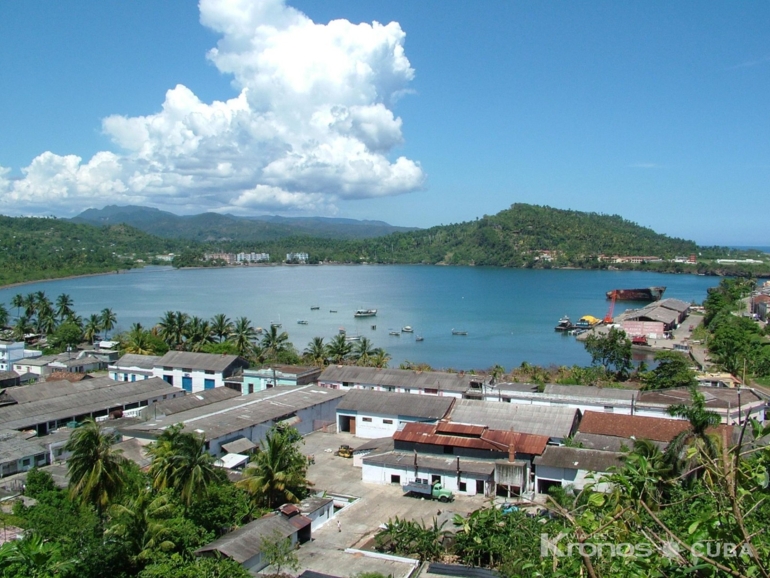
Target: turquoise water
x=509, y=314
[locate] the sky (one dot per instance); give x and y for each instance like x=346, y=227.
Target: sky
x=415, y=113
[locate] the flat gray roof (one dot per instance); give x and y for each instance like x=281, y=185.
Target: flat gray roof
x=231, y=415
x=397, y=377
x=239, y=446
x=16, y=446
x=590, y=391
x=406, y=459
x=578, y=459
x=200, y=361
x=551, y=421
x=81, y=398
x=246, y=541
x=193, y=400
x=399, y=404
x=141, y=361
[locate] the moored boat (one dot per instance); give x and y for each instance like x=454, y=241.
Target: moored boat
x=314, y=307
x=302, y=321
x=458, y=332
x=565, y=324
x=395, y=333
x=407, y=329
x=419, y=338
x=365, y=313
x=643, y=294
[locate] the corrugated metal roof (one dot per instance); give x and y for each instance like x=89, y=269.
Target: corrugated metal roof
x=239, y=446
x=201, y=361
x=403, y=404
x=246, y=541
x=430, y=463
x=82, y=398
x=133, y=360
x=440, y=380
x=193, y=400
x=636, y=426
x=550, y=421
x=608, y=393
x=487, y=439
x=578, y=459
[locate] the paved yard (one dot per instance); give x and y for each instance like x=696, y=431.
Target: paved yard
x=361, y=520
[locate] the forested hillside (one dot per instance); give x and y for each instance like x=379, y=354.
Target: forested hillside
x=32, y=248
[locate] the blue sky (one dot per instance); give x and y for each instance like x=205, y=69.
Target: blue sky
x=446, y=111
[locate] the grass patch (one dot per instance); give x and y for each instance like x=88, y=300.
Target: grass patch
x=763, y=380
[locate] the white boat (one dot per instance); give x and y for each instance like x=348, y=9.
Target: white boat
x=395, y=333
x=407, y=329
x=419, y=338
x=302, y=321
x=365, y=313
x=350, y=338
x=458, y=332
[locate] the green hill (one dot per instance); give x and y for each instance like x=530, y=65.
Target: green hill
x=35, y=248
x=216, y=228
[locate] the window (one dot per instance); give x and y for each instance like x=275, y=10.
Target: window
x=431, y=391
x=169, y=379
x=462, y=486
x=187, y=370
x=609, y=409
x=209, y=372
x=366, y=419
x=25, y=462
x=395, y=479
x=168, y=369
x=251, y=388
x=388, y=421
x=407, y=390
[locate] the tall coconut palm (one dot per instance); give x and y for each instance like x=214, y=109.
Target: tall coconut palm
x=108, y=320
x=315, y=352
x=181, y=462
x=95, y=468
x=64, y=305
x=679, y=452
x=138, y=341
x=22, y=327
x=274, y=342
x=30, y=305
x=18, y=302
x=243, y=335
x=380, y=359
x=221, y=326
x=338, y=349
x=140, y=524
x=171, y=328
x=4, y=316
x=46, y=322
x=92, y=328
x=363, y=351
x=197, y=334
x=278, y=472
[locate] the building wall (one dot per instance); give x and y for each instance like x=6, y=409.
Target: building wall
x=10, y=352
x=321, y=516
x=376, y=474
x=197, y=376
x=390, y=389
x=372, y=426
x=569, y=477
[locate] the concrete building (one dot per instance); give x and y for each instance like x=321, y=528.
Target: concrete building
x=375, y=414
x=307, y=408
x=19, y=452
x=318, y=509
x=244, y=545
x=266, y=377
x=10, y=351
x=53, y=404
x=439, y=383
x=192, y=372
x=574, y=467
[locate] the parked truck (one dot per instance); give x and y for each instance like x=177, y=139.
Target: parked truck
x=423, y=489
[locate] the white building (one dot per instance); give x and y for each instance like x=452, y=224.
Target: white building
x=13, y=351
x=436, y=383
x=574, y=467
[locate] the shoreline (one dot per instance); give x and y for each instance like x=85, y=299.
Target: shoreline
x=22, y=283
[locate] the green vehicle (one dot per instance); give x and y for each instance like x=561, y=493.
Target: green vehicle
x=423, y=489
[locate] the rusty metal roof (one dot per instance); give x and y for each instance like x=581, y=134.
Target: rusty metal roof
x=635, y=426
x=486, y=439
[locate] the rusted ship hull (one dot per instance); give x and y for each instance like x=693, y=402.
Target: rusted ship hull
x=646, y=294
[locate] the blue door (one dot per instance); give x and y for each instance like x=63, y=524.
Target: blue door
x=208, y=384
x=187, y=383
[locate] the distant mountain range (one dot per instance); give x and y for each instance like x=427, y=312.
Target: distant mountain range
x=213, y=227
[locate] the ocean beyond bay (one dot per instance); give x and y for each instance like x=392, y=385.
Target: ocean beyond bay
x=509, y=314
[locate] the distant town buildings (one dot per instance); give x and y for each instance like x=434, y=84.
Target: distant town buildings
x=238, y=258
x=297, y=257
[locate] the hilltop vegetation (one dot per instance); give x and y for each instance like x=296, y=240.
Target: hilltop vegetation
x=34, y=248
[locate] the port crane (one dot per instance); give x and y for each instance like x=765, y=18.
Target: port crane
x=608, y=319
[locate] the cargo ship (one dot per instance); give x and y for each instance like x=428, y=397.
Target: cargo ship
x=646, y=294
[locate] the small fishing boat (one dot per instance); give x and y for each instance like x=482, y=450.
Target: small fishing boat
x=407, y=329
x=276, y=325
x=332, y=311
x=419, y=338
x=302, y=321
x=395, y=333
x=342, y=331
x=565, y=324
x=365, y=313
x=314, y=307
x=458, y=332
x=352, y=338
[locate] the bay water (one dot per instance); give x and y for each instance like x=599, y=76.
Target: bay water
x=509, y=314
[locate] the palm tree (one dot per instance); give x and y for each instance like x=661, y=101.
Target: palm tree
x=496, y=373
x=4, y=316
x=380, y=359
x=95, y=468
x=180, y=462
x=138, y=341
x=108, y=320
x=140, y=523
x=315, y=352
x=363, y=351
x=35, y=558
x=277, y=473
x=64, y=305
x=18, y=302
x=46, y=317
x=679, y=453
x=171, y=328
x=198, y=333
x=92, y=328
x=338, y=349
x=30, y=305
x=221, y=326
x=274, y=343
x=243, y=335
x=21, y=328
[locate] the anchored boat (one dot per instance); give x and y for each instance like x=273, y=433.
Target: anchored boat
x=365, y=313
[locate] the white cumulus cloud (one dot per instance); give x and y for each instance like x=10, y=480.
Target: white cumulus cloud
x=311, y=126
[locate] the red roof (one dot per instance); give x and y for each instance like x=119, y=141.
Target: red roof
x=633, y=426
x=475, y=437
